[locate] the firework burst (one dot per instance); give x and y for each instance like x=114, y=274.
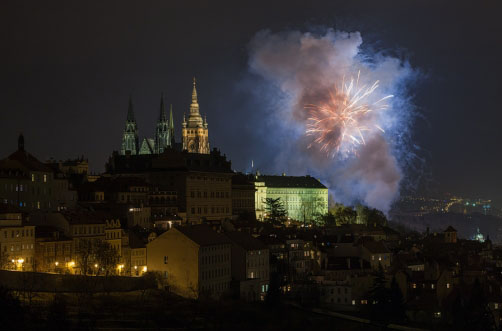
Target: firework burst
x=338, y=126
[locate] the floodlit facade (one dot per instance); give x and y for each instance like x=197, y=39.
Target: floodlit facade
x=17, y=241
x=193, y=261
x=304, y=198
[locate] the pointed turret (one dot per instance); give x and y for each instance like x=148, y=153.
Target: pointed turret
x=130, y=111
x=194, y=107
x=162, y=115
x=171, y=122
x=194, y=92
x=130, y=143
x=162, y=138
x=171, y=126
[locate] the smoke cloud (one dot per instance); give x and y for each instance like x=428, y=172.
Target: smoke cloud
x=302, y=68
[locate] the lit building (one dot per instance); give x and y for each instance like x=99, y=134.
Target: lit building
x=304, y=198
x=17, y=240
x=30, y=184
x=243, y=195
x=201, y=182
x=84, y=228
x=250, y=265
x=193, y=261
x=53, y=250
x=194, y=131
x=113, y=234
x=164, y=134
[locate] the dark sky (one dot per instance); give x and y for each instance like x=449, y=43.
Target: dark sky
x=67, y=70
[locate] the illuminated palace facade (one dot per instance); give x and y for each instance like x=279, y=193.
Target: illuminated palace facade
x=194, y=132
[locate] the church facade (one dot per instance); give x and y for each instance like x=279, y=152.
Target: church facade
x=194, y=133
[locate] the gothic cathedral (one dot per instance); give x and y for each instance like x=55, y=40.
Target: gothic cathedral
x=194, y=132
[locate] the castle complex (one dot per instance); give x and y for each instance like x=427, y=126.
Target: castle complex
x=194, y=132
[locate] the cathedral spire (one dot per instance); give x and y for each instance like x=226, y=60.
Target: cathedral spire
x=194, y=92
x=130, y=111
x=171, y=122
x=162, y=116
x=194, y=107
x=130, y=141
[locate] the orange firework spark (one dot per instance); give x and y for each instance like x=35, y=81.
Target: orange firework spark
x=339, y=124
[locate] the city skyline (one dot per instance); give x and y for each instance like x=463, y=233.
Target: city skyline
x=69, y=74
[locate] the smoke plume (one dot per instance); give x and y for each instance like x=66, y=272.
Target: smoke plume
x=302, y=68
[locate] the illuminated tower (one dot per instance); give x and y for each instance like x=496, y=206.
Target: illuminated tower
x=130, y=143
x=162, y=132
x=171, y=126
x=194, y=131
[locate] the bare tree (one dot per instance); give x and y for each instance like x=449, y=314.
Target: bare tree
x=84, y=254
x=4, y=260
x=106, y=257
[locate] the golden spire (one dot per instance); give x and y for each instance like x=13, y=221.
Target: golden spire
x=194, y=92
x=194, y=107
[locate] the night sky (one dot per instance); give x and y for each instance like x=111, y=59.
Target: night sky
x=67, y=70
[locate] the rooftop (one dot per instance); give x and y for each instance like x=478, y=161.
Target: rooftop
x=203, y=235
x=245, y=241
x=290, y=181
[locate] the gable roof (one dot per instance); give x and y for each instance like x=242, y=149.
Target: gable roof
x=23, y=159
x=203, y=235
x=290, y=181
x=450, y=229
x=376, y=247
x=245, y=241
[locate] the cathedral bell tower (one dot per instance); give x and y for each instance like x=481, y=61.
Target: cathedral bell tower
x=194, y=131
x=130, y=143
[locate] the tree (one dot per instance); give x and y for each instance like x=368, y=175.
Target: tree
x=96, y=252
x=343, y=214
x=378, y=296
x=106, y=257
x=328, y=220
x=371, y=216
x=396, y=304
x=4, y=260
x=311, y=207
x=275, y=208
x=84, y=254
